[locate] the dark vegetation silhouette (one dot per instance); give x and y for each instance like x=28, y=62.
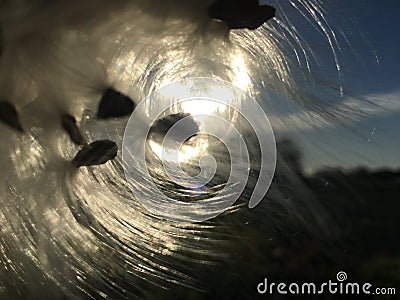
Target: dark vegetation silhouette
x=362, y=237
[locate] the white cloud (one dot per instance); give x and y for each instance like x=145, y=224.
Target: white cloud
x=371, y=106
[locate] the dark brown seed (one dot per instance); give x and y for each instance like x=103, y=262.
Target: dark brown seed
x=69, y=124
x=239, y=14
x=97, y=153
x=163, y=125
x=9, y=116
x=114, y=104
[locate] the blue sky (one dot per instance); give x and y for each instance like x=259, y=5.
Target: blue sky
x=371, y=69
